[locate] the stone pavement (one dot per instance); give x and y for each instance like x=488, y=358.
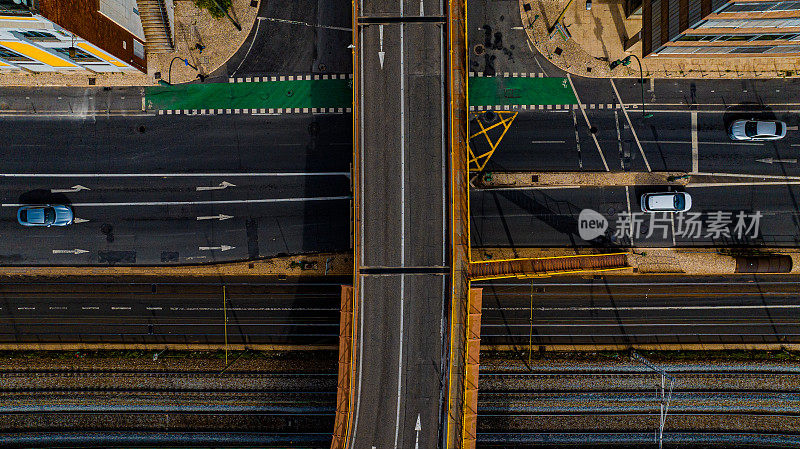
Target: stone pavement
x=598, y=37
x=192, y=26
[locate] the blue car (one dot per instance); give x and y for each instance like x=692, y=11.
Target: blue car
x=48, y=215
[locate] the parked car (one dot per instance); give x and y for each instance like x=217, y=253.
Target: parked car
x=666, y=202
x=45, y=215
x=757, y=130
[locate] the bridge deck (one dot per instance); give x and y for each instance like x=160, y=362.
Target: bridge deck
x=402, y=247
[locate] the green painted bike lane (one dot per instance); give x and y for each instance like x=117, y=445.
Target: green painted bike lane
x=321, y=93
x=501, y=91
x=338, y=93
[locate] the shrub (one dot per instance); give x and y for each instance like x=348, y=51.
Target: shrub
x=212, y=7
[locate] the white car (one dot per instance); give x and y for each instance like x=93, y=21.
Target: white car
x=666, y=202
x=757, y=130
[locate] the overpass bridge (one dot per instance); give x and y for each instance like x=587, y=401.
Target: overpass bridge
x=402, y=279
x=409, y=338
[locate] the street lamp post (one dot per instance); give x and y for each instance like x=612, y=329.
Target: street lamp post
x=626, y=62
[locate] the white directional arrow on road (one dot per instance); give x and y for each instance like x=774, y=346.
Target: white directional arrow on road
x=418, y=427
x=69, y=251
x=770, y=160
x=222, y=185
x=79, y=220
x=219, y=217
x=381, y=53
x=221, y=248
x=72, y=189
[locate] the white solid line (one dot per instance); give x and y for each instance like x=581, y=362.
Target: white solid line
x=741, y=184
x=90, y=308
x=170, y=175
x=747, y=175
x=402, y=158
x=360, y=257
x=255, y=38
x=153, y=308
x=400, y=358
x=402, y=223
x=607, y=309
x=628, y=200
x=533, y=188
x=702, y=143
x=633, y=130
x=695, y=157
x=120, y=308
x=190, y=203
x=547, y=141
x=585, y=117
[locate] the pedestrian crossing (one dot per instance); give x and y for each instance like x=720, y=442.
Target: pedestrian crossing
x=546, y=107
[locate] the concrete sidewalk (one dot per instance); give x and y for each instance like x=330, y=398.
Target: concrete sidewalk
x=599, y=35
x=545, y=180
x=679, y=261
x=331, y=264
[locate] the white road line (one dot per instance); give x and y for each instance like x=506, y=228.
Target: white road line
x=153, y=308
x=585, y=117
x=547, y=141
x=444, y=150
x=255, y=38
x=747, y=175
x=400, y=358
x=361, y=143
x=90, y=308
x=577, y=139
x=120, y=308
x=630, y=212
x=170, y=175
x=57, y=308
x=633, y=130
x=26, y=308
x=687, y=142
x=533, y=188
x=402, y=223
x=192, y=203
x=619, y=140
x=608, y=309
x=695, y=157
x=402, y=154
x=741, y=184
x=672, y=217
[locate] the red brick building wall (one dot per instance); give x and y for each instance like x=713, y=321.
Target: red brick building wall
x=83, y=18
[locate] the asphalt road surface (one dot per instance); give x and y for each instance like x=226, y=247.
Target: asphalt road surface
x=680, y=136
x=629, y=310
x=749, y=215
x=402, y=250
x=179, y=311
x=152, y=189
x=295, y=37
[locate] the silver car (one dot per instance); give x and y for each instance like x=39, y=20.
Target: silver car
x=757, y=130
x=45, y=215
x=666, y=202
